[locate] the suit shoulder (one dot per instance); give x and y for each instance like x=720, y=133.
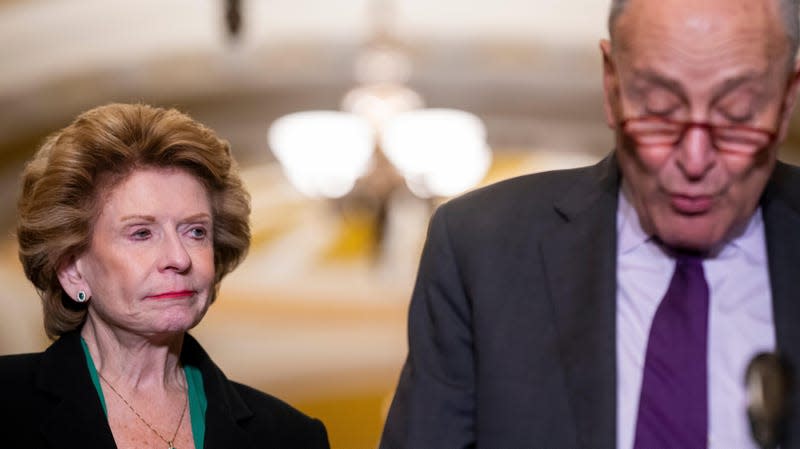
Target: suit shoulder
x=792, y=169
x=538, y=189
x=786, y=177
x=521, y=204
x=289, y=426
x=21, y=403
x=259, y=401
x=783, y=186
x=18, y=367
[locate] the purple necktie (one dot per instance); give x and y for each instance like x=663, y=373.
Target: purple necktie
x=673, y=405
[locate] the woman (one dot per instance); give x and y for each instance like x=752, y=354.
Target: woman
x=128, y=220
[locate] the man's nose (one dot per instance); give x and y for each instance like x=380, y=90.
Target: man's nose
x=696, y=153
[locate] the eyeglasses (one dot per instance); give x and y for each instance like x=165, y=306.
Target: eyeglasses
x=655, y=132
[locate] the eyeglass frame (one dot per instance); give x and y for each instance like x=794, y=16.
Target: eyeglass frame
x=710, y=128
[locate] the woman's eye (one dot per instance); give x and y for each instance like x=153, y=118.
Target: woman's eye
x=198, y=233
x=141, y=234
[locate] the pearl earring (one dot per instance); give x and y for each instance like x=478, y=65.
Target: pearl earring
x=82, y=297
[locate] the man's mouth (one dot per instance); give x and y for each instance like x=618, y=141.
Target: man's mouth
x=691, y=204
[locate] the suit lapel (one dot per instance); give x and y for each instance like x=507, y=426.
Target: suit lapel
x=781, y=209
x=226, y=409
x=580, y=260
x=224, y=432
x=70, y=425
x=76, y=418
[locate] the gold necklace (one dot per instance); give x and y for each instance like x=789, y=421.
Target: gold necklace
x=183, y=413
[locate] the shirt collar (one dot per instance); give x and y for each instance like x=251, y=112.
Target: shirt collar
x=630, y=234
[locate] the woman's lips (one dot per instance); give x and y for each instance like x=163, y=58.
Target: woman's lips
x=173, y=295
x=691, y=204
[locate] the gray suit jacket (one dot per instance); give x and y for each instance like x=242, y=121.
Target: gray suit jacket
x=512, y=324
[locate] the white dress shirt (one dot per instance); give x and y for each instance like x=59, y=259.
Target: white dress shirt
x=740, y=322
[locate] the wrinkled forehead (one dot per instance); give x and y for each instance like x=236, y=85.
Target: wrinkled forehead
x=703, y=44
x=702, y=27
x=702, y=15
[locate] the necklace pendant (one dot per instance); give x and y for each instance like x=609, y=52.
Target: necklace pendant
x=169, y=443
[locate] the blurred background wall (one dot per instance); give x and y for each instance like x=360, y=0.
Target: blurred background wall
x=316, y=314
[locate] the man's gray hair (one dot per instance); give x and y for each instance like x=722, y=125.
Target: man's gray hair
x=789, y=14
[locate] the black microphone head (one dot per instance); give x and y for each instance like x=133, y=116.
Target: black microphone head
x=768, y=381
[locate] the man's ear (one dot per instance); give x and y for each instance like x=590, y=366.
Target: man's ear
x=71, y=278
x=610, y=85
x=789, y=101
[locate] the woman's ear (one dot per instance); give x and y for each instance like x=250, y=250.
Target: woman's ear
x=72, y=281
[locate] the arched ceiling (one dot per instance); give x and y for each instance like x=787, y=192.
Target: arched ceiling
x=62, y=56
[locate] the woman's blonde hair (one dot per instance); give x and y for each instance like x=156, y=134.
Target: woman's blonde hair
x=64, y=186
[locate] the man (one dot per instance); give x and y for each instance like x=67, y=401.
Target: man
x=541, y=317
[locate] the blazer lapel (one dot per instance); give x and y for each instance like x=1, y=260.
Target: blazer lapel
x=781, y=208
x=226, y=409
x=76, y=418
x=223, y=432
x=580, y=261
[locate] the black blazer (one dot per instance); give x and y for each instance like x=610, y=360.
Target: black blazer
x=512, y=323
x=49, y=401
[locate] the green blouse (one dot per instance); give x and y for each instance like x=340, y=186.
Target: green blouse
x=197, y=396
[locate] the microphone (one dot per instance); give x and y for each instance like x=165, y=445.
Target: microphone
x=768, y=381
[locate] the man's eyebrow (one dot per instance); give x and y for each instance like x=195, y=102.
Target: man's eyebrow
x=674, y=86
x=660, y=80
x=734, y=82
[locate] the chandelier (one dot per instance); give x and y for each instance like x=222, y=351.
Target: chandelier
x=383, y=137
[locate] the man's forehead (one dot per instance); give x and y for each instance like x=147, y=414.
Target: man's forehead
x=698, y=17
x=703, y=43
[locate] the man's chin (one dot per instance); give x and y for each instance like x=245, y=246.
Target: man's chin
x=692, y=245
x=696, y=238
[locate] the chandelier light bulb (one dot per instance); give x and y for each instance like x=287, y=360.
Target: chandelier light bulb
x=322, y=153
x=378, y=103
x=440, y=152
